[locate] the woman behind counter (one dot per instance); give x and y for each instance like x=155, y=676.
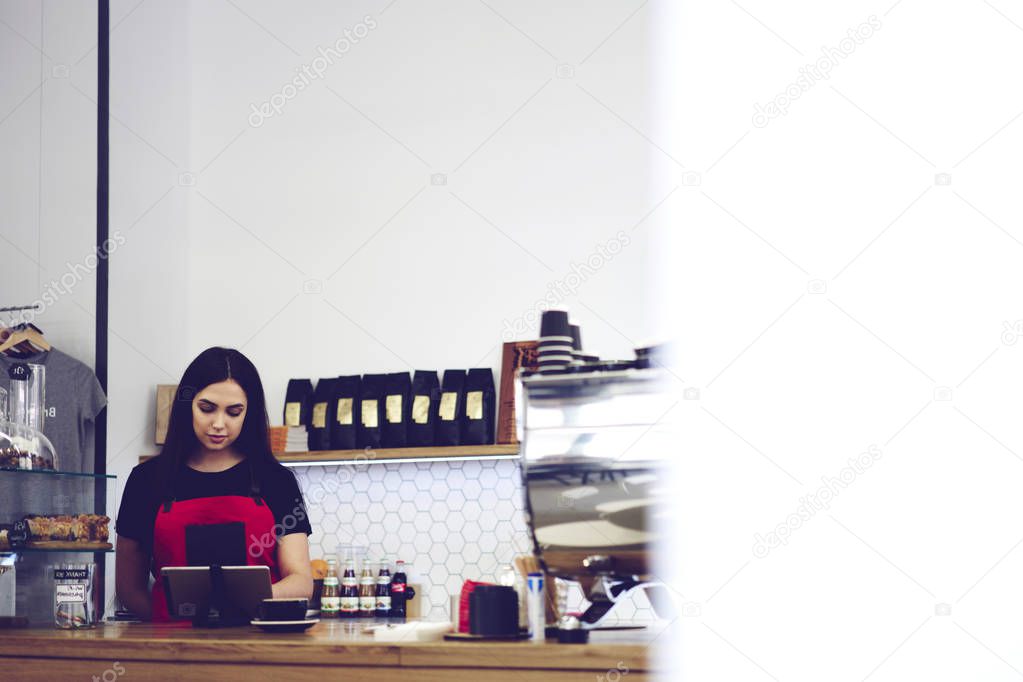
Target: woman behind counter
x=215, y=493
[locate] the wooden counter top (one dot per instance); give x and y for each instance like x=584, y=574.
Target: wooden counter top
x=246, y=653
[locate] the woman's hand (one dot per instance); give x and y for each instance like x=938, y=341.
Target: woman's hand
x=296, y=573
x=132, y=577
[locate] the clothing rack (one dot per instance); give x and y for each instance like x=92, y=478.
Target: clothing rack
x=20, y=307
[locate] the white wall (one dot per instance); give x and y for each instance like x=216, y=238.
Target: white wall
x=48, y=218
x=404, y=274
x=319, y=241
x=48, y=174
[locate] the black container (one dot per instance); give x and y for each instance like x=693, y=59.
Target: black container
x=450, y=408
x=555, y=323
x=370, y=427
x=493, y=611
x=346, y=416
x=423, y=415
x=298, y=402
x=397, y=408
x=283, y=609
x=480, y=407
x=324, y=406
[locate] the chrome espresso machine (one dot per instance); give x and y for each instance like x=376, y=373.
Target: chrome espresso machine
x=594, y=450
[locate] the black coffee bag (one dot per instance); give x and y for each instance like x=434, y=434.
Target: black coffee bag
x=346, y=414
x=480, y=407
x=450, y=407
x=298, y=402
x=324, y=404
x=370, y=429
x=423, y=416
x=397, y=407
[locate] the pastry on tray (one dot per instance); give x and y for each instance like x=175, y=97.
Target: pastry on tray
x=79, y=528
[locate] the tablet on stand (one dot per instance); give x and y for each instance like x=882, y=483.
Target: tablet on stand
x=216, y=596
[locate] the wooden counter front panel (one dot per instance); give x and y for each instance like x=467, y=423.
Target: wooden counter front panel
x=50, y=669
x=324, y=652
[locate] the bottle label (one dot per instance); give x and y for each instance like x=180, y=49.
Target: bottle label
x=398, y=588
x=349, y=604
x=367, y=603
x=330, y=604
x=383, y=603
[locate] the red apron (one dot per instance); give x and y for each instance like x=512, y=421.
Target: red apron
x=175, y=516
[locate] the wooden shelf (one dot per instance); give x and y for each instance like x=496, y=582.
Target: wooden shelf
x=371, y=455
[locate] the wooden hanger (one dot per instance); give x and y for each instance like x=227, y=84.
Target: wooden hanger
x=25, y=334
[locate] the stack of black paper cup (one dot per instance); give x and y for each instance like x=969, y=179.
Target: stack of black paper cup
x=577, y=344
x=555, y=352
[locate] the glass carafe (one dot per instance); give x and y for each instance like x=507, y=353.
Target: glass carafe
x=22, y=442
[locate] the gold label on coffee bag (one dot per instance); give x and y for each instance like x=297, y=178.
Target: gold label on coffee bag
x=319, y=415
x=421, y=409
x=474, y=404
x=369, y=414
x=393, y=409
x=447, y=406
x=293, y=414
x=344, y=410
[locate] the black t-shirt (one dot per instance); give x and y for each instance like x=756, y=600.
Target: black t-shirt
x=141, y=498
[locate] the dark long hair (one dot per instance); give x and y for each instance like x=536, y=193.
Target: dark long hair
x=212, y=366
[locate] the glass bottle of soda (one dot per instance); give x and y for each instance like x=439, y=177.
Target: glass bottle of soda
x=383, y=607
x=349, y=591
x=399, y=586
x=367, y=592
x=330, y=596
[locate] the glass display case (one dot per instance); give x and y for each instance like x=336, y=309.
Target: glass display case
x=49, y=517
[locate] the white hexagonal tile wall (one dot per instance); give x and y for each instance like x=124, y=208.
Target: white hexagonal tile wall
x=449, y=521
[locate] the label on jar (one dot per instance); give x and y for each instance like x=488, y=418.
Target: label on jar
x=70, y=593
x=19, y=372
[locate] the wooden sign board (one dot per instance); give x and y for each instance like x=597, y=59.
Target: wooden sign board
x=164, y=400
x=515, y=356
